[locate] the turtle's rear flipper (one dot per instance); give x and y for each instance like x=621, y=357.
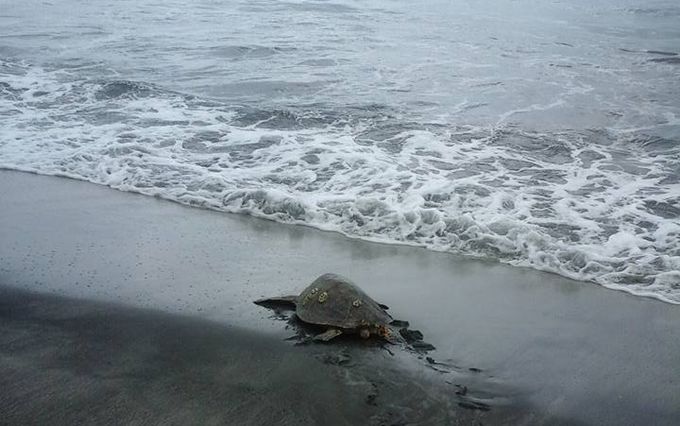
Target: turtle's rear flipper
x=269, y=302
x=328, y=335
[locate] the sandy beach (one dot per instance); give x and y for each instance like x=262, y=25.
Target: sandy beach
x=124, y=309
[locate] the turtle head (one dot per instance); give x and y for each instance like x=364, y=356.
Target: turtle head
x=388, y=334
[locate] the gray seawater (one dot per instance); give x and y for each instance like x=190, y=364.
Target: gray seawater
x=541, y=134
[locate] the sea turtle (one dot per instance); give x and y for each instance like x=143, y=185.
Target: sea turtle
x=334, y=302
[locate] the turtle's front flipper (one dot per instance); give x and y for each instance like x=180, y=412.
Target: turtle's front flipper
x=328, y=335
x=277, y=301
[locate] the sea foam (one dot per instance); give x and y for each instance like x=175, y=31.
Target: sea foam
x=599, y=205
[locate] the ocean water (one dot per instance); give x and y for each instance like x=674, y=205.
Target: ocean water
x=541, y=134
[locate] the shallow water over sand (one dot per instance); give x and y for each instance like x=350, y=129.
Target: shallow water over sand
x=573, y=351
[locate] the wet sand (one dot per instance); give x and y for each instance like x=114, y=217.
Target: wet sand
x=119, y=306
x=68, y=361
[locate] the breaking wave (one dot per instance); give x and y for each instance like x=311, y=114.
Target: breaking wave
x=599, y=205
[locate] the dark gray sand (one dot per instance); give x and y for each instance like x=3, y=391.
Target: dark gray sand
x=65, y=361
x=550, y=350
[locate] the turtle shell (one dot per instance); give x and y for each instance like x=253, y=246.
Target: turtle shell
x=335, y=301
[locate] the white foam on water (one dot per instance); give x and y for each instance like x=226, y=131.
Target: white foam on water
x=598, y=205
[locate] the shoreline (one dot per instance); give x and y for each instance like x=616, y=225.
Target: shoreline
x=566, y=349
x=366, y=239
